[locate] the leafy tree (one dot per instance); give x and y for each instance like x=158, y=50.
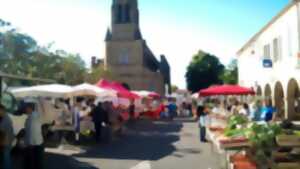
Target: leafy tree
x=230, y=75
x=174, y=88
x=73, y=70
x=20, y=55
x=98, y=73
x=203, y=71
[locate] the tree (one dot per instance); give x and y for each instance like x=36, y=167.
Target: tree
x=98, y=73
x=73, y=70
x=230, y=74
x=203, y=71
x=20, y=55
x=174, y=88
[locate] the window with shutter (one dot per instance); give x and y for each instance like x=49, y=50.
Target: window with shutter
x=276, y=49
x=267, y=52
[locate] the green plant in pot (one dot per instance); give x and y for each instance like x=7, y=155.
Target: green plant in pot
x=236, y=126
x=262, y=138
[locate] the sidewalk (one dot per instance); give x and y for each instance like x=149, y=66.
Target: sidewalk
x=147, y=145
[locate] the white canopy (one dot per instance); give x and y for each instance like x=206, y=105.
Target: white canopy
x=52, y=90
x=88, y=89
x=142, y=93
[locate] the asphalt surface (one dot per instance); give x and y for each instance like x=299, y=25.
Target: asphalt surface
x=145, y=145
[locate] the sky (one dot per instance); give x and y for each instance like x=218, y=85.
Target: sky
x=175, y=28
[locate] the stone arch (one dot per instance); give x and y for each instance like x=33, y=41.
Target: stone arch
x=293, y=100
x=279, y=100
x=258, y=91
x=268, y=94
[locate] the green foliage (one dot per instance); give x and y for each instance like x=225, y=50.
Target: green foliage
x=262, y=137
x=174, y=88
x=233, y=124
x=230, y=74
x=99, y=73
x=21, y=55
x=203, y=71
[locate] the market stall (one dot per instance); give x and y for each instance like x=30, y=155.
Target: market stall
x=254, y=145
x=52, y=90
x=223, y=139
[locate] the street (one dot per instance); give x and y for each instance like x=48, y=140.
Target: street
x=145, y=145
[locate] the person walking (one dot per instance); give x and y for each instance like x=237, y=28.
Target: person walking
x=6, y=127
x=33, y=138
x=131, y=109
x=172, y=107
x=202, y=120
x=99, y=116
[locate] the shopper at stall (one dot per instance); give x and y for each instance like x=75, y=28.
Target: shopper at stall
x=245, y=111
x=6, y=127
x=99, y=116
x=76, y=118
x=256, y=111
x=33, y=139
x=267, y=111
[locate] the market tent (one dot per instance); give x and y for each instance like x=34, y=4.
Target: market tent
x=226, y=90
x=88, y=89
x=52, y=90
x=195, y=95
x=121, y=91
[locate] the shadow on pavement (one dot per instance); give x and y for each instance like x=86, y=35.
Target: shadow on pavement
x=56, y=161
x=145, y=140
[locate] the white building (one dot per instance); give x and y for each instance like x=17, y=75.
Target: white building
x=270, y=61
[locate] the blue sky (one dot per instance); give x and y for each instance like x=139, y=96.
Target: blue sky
x=176, y=28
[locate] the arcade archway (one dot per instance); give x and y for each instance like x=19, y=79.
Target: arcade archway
x=293, y=100
x=268, y=93
x=279, y=100
x=259, y=91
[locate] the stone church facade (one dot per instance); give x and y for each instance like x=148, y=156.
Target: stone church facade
x=128, y=56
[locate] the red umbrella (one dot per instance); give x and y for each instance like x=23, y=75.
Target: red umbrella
x=226, y=90
x=121, y=90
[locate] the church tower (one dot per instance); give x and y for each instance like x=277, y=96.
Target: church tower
x=124, y=21
x=127, y=55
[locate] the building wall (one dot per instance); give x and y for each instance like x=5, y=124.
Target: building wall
x=285, y=70
x=135, y=74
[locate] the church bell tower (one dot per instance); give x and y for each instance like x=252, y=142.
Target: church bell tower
x=124, y=21
x=127, y=55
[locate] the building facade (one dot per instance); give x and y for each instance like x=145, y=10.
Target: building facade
x=128, y=56
x=270, y=62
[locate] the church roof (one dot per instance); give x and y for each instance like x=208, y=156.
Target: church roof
x=108, y=36
x=137, y=34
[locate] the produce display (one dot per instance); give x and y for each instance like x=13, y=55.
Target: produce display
x=271, y=145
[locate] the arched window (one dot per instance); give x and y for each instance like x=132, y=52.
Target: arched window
x=126, y=13
x=124, y=57
x=119, y=13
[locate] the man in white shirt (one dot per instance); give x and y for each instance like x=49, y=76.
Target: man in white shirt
x=33, y=138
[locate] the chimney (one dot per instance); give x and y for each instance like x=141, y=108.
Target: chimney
x=94, y=61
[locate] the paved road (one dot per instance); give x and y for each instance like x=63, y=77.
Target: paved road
x=147, y=145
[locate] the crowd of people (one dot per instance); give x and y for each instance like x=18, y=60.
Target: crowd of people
x=107, y=120
x=210, y=109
